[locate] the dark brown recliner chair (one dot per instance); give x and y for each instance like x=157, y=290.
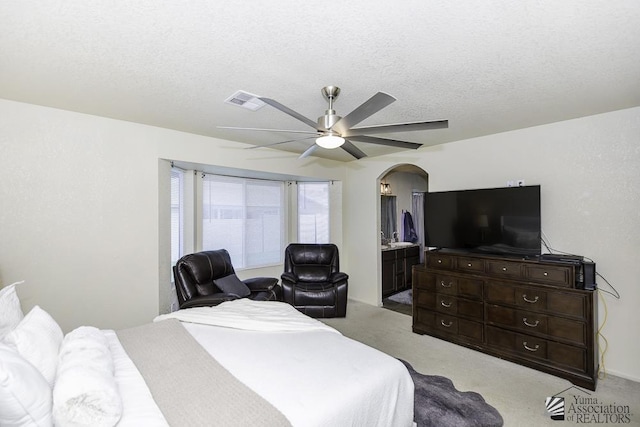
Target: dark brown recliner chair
x=312, y=281
x=208, y=278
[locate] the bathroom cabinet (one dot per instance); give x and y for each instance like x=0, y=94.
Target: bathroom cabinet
x=396, y=268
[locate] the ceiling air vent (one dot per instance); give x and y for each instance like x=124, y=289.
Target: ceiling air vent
x=245, y=100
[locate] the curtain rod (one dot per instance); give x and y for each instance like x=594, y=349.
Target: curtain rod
x=173, y=166
x=260, y=179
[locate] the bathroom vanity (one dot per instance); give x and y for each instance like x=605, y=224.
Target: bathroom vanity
x=397, y=261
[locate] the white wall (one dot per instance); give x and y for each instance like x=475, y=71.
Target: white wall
x=80, y=218
x=588, y=172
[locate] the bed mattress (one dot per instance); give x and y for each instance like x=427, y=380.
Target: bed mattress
x=315, y=377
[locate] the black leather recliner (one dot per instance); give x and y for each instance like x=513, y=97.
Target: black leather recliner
x=200, y=276
x=312, y=281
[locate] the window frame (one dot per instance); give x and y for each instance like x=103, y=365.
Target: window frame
x=245, y=211
x=177, y=177
x=301, y=187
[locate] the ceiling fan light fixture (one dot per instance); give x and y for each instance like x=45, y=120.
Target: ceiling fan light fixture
x=330, y=141
x=330, y=127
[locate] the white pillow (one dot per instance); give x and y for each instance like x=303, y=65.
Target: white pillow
x=85, y=391
x=25, y=396
x=85, y=346
x=10, y=311
x=37, y=338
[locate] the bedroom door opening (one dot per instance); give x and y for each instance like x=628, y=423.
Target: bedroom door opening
x=406, y=183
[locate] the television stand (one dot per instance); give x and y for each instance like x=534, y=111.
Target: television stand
x=522, y=310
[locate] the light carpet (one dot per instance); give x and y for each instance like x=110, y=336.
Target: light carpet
x=517, y=392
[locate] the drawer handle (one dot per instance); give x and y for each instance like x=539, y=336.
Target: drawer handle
x=445, y=304
x=469, y=265
x=439, y=261
x=445, y=285
x=530, y=301
x=504, y=268
x=530, y=348
x=531, y=325
x=446, y=325
x=545, y=274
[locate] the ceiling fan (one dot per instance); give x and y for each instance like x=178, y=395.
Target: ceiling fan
x=333, y=131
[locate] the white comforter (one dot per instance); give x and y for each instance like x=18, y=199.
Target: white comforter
x=307, y=370
x=246, y=314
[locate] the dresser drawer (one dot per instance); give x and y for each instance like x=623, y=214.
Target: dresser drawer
x=451, y=305
x=572, y=331
x=462, y=329
x=561, y=355
x=513, y=342
x=470, y=288
x=534, y=299
x=537, y=299
x=423, y=280
x=550, y=274
x=424, y=299
x=423, y=318
x=440, y=261
x=517, y=319
x=447, y=284
x=505, y=269
x=470, y=265
x=449, y=327
x=568, y=356
x=459, y=286
x=569, y=330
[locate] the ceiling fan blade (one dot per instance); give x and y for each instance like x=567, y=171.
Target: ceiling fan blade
x=279, y=142
x=353, y=150
x=385, y=141
x=399, y=127
x=371, y=106
x=268, y=130
x=289, y=111
x=309, y=151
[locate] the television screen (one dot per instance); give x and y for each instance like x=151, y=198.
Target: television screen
x=496, y=220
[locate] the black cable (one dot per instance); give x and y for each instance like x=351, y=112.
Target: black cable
x=615, y=292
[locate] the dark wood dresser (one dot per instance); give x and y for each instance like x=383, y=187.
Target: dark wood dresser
x=521, y=310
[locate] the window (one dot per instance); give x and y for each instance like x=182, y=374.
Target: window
x=245, y=217
x=177, y=215
x=313, y=212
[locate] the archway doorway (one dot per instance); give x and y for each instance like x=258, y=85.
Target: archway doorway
x=402, y=189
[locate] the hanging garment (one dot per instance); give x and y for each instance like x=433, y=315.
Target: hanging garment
x=417, y=207
x=409, y=231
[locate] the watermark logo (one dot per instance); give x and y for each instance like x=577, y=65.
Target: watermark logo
x=555, y=407
x=586, y=409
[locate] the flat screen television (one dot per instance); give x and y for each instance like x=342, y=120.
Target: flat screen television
x=503, y=221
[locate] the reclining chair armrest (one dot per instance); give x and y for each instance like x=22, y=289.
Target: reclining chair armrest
x=338, y=277
x=261, y=283
x=289, y=277
x=208, y=300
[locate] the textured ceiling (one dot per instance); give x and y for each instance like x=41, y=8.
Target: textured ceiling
x=486, y=66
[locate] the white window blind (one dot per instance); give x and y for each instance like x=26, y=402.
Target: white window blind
x=177, y=215
x=245, y=217
x=313, y=212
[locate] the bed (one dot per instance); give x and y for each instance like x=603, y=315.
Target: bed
x=266, y=364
